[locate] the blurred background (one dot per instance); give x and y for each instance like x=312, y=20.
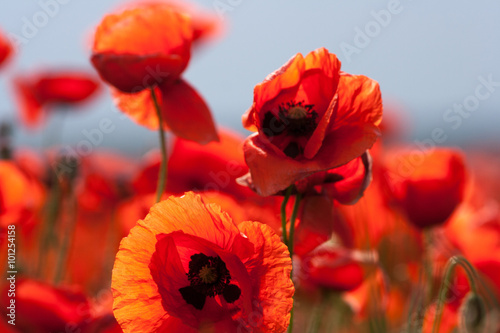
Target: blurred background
x=437, y=62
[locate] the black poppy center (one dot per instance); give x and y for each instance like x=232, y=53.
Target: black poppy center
x=208, y=276
x=294, y=119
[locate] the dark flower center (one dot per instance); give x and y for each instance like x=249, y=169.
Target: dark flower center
x=299, y=119
x=208, y=276
x=294, y=119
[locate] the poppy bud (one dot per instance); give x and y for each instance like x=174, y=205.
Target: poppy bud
x=472, y=314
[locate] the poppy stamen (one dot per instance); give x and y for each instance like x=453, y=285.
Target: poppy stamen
x=208, y=276
x=300, y=119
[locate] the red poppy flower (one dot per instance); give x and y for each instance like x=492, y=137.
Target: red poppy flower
x=51, y=88
x=310, y=117
x=148, y=46
x=142, y=46
x=5, y=49
x=41, y=308
x=427, y=188
x=187, y=266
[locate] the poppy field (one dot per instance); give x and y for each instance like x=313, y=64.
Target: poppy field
x=321, y=217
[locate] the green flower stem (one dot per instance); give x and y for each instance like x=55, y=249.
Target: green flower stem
x=427, y=262
x=162, y=177
x=68, y=236
x=292, y=224
x=47, y=237
x=291, y=238
x=450, y=266
x=283, y=214
x=290, y=327
x=319, y=312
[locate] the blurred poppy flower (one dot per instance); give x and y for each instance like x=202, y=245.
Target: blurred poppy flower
x=372, y=295
x=310, y=117
x=5, y=49
x=332, y=267
x=145, y=47
x=319, y=220
x=428, y=191
x=21, y=196
x=142, y=46
x=191, y=167
x=104, y=324
x=47, y=89
x=41, y=308
x=104, y=180
x=187, y=266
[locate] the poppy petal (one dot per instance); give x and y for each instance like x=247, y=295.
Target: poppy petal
x=356, y=176
x=271, y=267
x=29, y=106
x=139, y=106
x=268, y=179
x=132, y=73
x=187, y=114
x=5, y=49
x=360, y=102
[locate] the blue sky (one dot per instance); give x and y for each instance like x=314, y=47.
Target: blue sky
x=428, y=56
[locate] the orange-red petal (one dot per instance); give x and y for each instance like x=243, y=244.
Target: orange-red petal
x=142, y=46
x=270, y=268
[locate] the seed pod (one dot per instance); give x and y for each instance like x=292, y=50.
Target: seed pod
x=472, y=315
